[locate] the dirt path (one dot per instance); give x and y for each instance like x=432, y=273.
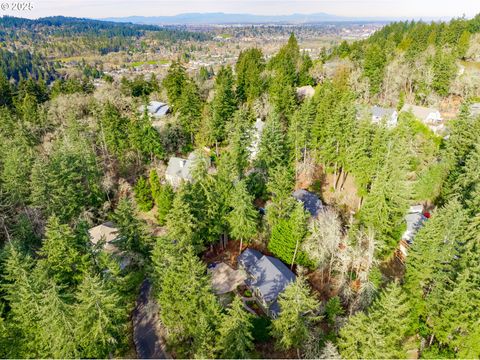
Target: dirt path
x=146, y=336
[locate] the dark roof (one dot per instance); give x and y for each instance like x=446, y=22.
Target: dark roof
x=249, y=257
x=311, y=202
x=268, y=274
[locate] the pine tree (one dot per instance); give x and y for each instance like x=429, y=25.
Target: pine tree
x=280, y=185
x=381, y=333
x=143, y=194
x=237, y=155
x=55, y=338
x=60, y=255
x=235, y=332
x=188, y=306
x=288, y=234
x=242, y=218
x=429, y=261
x=444, y=70
x=385, y=205
x=374, y=67
x=100, y=319
x=273, y=149
x=223, y=104
x=155, y=185
x=22, y=295
x=180, y=221
x=298, y=310
x=131, y=229
x=174, y=83
x=248, y=69
x=164, y=201
x=190, y=108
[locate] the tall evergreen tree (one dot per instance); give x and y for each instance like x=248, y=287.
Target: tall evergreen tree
x=223, y=104
x=188, y=306
x=235, y=332
x=131, y=229
x=248, y=69
x=242, y=218
x=100, y=319
x=60, y=254
x=381, y=333
x=298, y=311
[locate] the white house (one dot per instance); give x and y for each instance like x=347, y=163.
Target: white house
x=380, y=114
x=425, y=114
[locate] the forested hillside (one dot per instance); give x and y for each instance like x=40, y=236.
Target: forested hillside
x=218, y=173
x=63, y=36
x=415, y=60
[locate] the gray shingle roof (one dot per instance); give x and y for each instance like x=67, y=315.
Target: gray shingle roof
x=381, y=112
x=421, y=112
x=180, y=169
x=268, y=275
x=311, y=202
x=156, y=108
x=475, y=109
x=249, y=257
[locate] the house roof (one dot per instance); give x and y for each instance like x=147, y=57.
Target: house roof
x=249, y=257
x=270, y=276
x=420, y=112
x=475, y=109
x=156, y=108
x=180, y=168
x=106, y=231
x=382, y=112
x=311, y=202
x=225, y=279
x=305, y=91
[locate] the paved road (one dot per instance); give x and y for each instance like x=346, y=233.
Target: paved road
x=148, y=342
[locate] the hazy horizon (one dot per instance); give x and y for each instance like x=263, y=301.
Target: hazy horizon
x=349, y=8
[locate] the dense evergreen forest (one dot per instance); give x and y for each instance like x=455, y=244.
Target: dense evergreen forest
x=413, y=60
x=73, y=156
x=72, y=36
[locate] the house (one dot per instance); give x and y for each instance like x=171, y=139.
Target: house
x=305, y=92
x=414, y=220
x=474, y=110
x=426, y=115
x=155, y=109
x=106, y=232
x=257, y=135
x=311, y=202
x=179, y=170
x=224, y=278
x=379, y=114
x=267, y=278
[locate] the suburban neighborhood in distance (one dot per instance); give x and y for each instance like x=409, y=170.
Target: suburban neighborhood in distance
x=240, y=179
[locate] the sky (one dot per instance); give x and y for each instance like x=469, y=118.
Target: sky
x=360, y=8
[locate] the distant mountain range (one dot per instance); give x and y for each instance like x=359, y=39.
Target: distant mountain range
x=223, y=18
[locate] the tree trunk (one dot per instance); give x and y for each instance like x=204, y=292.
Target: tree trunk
x=294, y=254
x=345, y=175
x=335, y=178
x=241, y=245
